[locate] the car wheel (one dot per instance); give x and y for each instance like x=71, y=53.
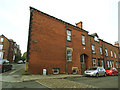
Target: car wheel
x=97, y=75
x=112, y=74
x=105, y=75
x=4, y=70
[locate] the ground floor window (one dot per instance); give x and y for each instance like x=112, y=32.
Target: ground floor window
x=56, y=70
x=119, y=64
x=74, y=70
x=94, y=61
x=1, y=55
x=69, y=54
x=116, y=64
x=113, y=63
x=107, y=63
x=102, y=63
x=110, y=63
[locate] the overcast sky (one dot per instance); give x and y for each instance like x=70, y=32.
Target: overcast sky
x=100, y=16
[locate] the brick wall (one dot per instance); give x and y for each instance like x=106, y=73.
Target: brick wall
x=47, y=45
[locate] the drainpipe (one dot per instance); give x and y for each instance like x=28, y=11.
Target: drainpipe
x=103, y=53
x=66, y=49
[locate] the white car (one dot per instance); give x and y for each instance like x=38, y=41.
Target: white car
x=95, y=71
x=20, y=62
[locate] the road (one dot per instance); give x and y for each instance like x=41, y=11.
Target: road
x=100, y=82
x=17, y=71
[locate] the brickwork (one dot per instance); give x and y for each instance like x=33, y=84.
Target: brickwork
x=47, y=45
x=8, y=49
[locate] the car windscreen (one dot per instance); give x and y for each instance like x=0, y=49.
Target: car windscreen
x=92, y=68
x=108, y=69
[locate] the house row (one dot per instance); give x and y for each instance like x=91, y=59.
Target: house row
x=9, y=49
x=60, y=47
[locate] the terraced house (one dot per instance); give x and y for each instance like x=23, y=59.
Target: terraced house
x=60, y=47
x=8, y=49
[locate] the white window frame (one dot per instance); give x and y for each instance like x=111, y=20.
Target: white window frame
x=107, y=63
x=116, y=64
x=94, y=61
x=69, y=55
x=1, y=55
x=96, y=39
x=101, y=50
x=113, y=63
x=93, y=48
x=68, y=35
x=106, y=52
x=111, y=53
x=115, y=54
x=110, y=63
x=102, y=63
x=1, y=40
x=58, y=70
x=83, y=39
x=1, y=46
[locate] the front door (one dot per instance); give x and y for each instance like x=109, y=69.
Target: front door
x=83, y=64
x=99, y=62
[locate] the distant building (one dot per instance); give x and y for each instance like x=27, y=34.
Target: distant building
x=8, y=49
x=60, y=47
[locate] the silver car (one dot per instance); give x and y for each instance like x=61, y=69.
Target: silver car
x=95, y=71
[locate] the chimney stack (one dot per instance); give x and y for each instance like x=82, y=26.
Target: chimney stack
x=79, y=24
x=117, y=44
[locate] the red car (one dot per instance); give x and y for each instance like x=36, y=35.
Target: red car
x=111, y=71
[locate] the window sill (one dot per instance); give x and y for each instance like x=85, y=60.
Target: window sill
x=69, y=61
x=94, y=53
x=69, y=41
x=83, y=44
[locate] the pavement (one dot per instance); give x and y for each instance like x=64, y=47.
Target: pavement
x=50, y=81
x=23, y=78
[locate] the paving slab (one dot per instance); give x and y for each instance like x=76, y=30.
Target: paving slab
x=62, y=83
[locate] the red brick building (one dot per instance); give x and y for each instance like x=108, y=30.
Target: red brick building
x=60, y=47
x=8, y=49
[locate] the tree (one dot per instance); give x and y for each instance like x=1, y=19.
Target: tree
x=24, y=56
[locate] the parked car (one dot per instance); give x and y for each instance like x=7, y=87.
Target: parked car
x=111, y=71
x=20, y=62
x=95, y=71
x=5, y=65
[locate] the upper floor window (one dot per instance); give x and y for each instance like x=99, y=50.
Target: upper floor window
x=93, y=48
x=1, y=40
x=101, y=50
x=111, y=53
x=83, y=39
x=96, y=39
x=1, y=46
x=69, y=54
x=115, y=54
x=68, y=35
x=94, y=62
x=106, y=52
